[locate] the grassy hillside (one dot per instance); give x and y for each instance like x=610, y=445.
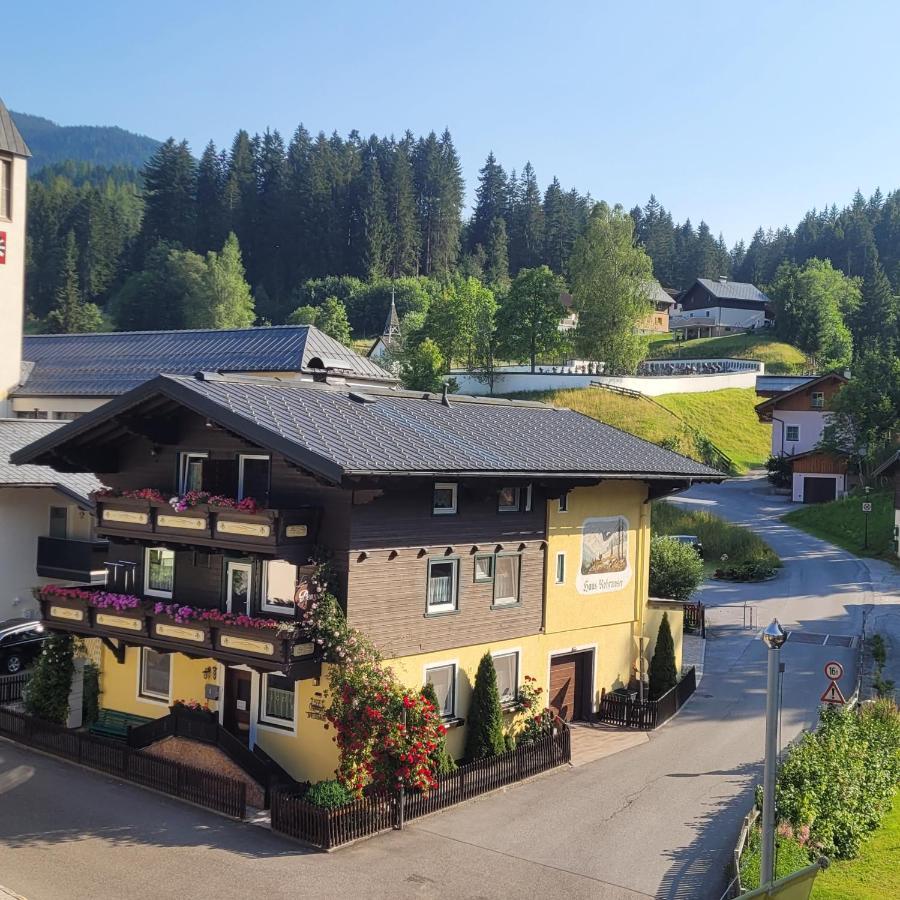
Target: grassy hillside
x=843, y=523
x=780, y=358
x=729, y=420
x=725, y=417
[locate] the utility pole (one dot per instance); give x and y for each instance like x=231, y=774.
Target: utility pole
x=773, y=637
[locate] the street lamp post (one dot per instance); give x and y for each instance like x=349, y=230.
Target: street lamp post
x=774, y=637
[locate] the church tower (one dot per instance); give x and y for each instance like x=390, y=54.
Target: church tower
x=13, y=187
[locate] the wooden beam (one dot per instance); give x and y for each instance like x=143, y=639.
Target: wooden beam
x=117, y=650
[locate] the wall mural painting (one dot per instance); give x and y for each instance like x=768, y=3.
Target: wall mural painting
x=604, y=555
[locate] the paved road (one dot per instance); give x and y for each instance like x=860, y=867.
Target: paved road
x=654, y=821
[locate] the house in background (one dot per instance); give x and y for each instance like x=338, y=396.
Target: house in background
x=46, y=524
x=453, y=527
x=389, y=342
x=569, y=321
x=798, y=417
x=655, y=322
x=711, y=308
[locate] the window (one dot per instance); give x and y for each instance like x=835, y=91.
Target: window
x=560, y=568
x=444, y=499
x=280, y=585
x=253, y=478
x=564, y=503
x=59, y=522
x=63, y=416
x=528, y=494
x=443, y=680
x=159, y=572
x=506, y=579
x=506, y=665
x=792, y=433
x=239, y=585
x=484, y=568
x=276, y=703
x=442, y=585
x=509, y=499
x=190, y=474
x=5, y=188
x=156, y=674
x=33, y=414
x=818, y=399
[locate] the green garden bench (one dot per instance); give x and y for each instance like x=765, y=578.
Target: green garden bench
x=114, y=724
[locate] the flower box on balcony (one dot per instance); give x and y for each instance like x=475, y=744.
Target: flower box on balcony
x=194, y=520
x=233, y=525
x=127, y=621
x=192, y=633
x=64, y=609
x=124, y=512
x=265, y=643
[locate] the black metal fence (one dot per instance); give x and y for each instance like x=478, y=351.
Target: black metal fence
x=208, y=789
x=626, y=712
x=328, y=828
x=11, y=686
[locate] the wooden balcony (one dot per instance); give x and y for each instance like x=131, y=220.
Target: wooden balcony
x=70, y=560
x=287, y=649
x=267, y=530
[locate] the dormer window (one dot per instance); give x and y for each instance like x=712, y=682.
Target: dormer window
x=818, y=400
x=444, y=498
x=190, y=471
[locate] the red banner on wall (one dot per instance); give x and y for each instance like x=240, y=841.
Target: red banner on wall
x=2, y=248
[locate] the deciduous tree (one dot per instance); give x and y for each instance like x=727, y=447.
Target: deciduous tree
x=529, y=315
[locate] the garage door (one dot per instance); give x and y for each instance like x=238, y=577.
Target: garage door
x=819, y=490
x=567, y=686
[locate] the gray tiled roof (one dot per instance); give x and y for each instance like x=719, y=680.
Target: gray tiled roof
x=10, y=139
x=780, y=383
x=734, y=290
x=657, y=294
x=18, y=433
x=104, y=365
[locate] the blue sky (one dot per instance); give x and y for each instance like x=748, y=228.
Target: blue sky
x=742, y=114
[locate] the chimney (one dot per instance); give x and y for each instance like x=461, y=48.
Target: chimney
x=723, y=279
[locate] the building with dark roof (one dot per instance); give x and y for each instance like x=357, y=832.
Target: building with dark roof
x=451, y=527
x=65, y=375
x=714, y=307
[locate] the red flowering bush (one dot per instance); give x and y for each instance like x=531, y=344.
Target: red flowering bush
x=139, y=494
x=538, y=719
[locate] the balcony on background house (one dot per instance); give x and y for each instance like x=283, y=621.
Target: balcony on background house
x=67, y=559
x=266, y=645
x=265, y=530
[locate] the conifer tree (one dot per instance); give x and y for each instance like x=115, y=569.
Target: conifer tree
x=527, y=223
x=663, y=674
x=170, y=183
x=268, y=263
x=71, y=314
x=373, y=229
x=331, y=317
x=212, y=220
x=496, y=267
x=484, y=724
x=401, y=212
x=492, y=202
x=877, y=319
x=226, y=301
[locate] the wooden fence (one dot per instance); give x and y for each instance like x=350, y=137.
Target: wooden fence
x=11, y=686
x=621, y=710
x=328, y=828
x=208, y=789
x=695, y=617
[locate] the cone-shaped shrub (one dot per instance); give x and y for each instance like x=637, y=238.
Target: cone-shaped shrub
x=484, y=725
x=663, y=675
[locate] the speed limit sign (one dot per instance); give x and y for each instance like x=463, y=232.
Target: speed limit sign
x=833, y=670
x=867, y=507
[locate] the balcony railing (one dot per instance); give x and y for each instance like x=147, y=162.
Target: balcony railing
x=262, y=644
x=72, y=560
x=206, y=525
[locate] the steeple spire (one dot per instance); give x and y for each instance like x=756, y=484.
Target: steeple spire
x=391, y=331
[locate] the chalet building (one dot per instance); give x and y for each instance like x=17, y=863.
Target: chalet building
x=890, y=469
x=452, y=527
x=711, y=308
x=798, y=415
x=655, y=322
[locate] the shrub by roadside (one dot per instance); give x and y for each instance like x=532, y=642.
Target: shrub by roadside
x=676, y=570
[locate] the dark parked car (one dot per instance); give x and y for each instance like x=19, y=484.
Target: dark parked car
x=21, y=642
x=690, y=539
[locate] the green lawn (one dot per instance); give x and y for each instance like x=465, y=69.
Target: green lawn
x=780, y=358
x=842, y=523
x=728, y=418
x=874, y=874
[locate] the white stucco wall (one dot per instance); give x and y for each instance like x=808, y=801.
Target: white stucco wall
x=12, y=285
x=725, y=315
x=25, y=515
x=811, y=424
x=797, y=490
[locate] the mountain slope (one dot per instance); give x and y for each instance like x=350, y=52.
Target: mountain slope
x=99, y=145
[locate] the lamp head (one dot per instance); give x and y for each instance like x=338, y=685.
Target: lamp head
x=774, y=635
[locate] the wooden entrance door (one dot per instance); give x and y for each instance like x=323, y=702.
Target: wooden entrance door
x=236, y=717
x=567, y=686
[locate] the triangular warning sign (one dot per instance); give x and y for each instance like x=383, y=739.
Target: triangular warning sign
x=833, y=694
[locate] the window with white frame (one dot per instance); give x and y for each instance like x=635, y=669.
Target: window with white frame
x=506, y=579
x=442, y=585
x=443, y=680
x=529, y=491
x=279, y=585
x=156, y=674
x=506, y=665
x=560, y=568
x=818, y=399
x=253, y=478
x=509, y=499
x=444, y=498
x=159, y=572
x=484, y=568
x=59, y=522
x=190, y=471
x=276, y=702
x=564, y=503
x=792, y=433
